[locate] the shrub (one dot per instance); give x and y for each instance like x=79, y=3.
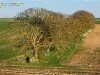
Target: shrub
x=84, y=20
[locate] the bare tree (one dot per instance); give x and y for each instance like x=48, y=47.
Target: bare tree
x=29, y=31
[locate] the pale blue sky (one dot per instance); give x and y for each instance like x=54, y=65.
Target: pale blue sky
x=63, y=6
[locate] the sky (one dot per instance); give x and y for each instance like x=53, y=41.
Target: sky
x=63, y=6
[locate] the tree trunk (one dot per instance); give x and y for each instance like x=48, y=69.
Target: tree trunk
x=36, y=53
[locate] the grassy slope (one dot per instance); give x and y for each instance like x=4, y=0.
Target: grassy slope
x=6, y=52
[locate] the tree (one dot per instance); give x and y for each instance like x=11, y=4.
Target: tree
x=29, y=31
x=84, y=20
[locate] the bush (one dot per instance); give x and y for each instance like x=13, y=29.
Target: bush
x=84, y=20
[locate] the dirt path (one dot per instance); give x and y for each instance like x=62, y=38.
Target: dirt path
x=88, y=55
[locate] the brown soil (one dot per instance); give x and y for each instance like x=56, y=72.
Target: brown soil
x=88, y=55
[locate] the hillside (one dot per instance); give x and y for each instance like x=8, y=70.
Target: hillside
x=88, y=55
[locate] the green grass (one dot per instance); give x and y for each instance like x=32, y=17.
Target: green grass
x=98, y=21
x=2, y=42
x=4, y=25
x=6, y=20
x=6, y=53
